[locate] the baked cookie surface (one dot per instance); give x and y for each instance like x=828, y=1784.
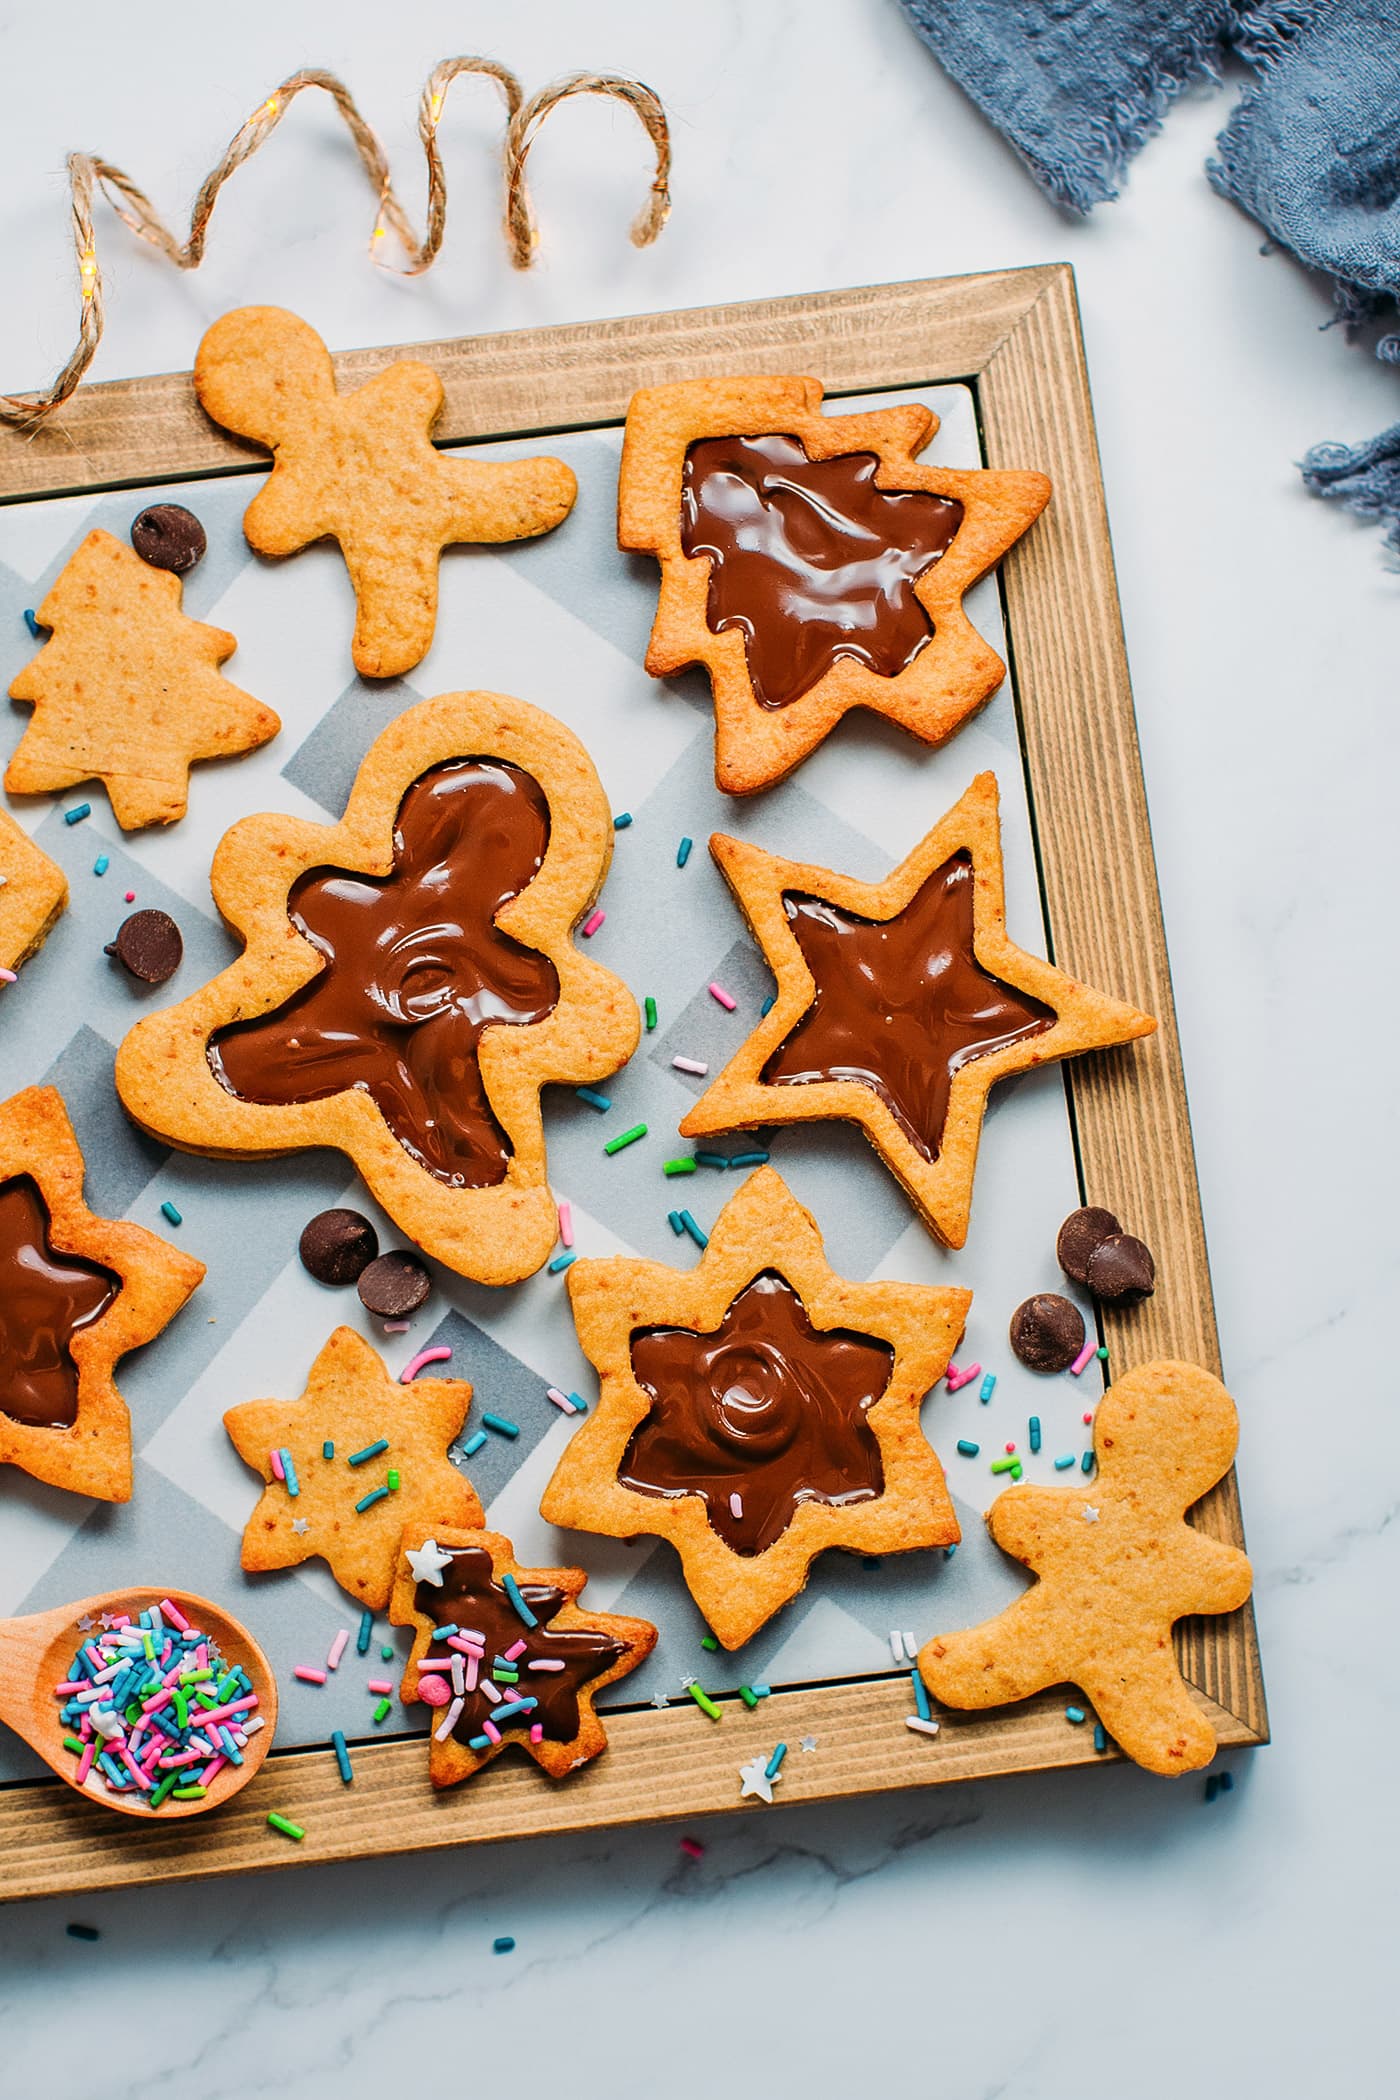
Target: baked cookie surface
x=33, y=892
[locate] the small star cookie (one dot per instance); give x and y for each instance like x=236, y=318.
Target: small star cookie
x=900, y=1005
x=360, y=468
x=76, y=1292
x=338, y=1513
x=127, y=690
x=525, y=1663
x=758, y=1410
x=811, y=563
x=33, y=892
x=1100, y=1616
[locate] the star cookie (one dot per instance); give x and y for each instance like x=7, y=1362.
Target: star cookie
x=900, y=1005
x=76, y=1292
x=361, y=468
x=1110, y=1590
x=524, y=1665
x=811, y=563
x=409, y=983
x=33, y=892
x=758, y=1410
x=127, y=690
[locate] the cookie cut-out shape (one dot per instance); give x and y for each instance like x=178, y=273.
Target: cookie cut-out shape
x=1118, y=1565
x=33, y=893
x=360, y=468
x=352, y=1404
x=811, y=563
x=127, y=690
x=525, y=1655
x=757, y=1410
x=900, y=1004
x=76, y=1293
x=409, y=982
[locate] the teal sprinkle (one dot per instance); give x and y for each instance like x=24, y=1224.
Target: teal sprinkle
x=712, y=1159
x=342, y=1756
x=562, y=1261
x=622, y=820
x=289, y=1473
x=949, y=1551
x=1086, y=1464
x=30, y=622
x=989, y=1386
x=1102, y=1355
x=368, y=1501
x=501, y=1425
x=1061, y=1463
x=479, y=1742
x=76, y=815
x=505, y=1944
x=1034, y=1432
x=701, y=1239
x=522, y=1609
x=602, y=1102
x=750, y=1159
x=581, y=1405
x=1075, y=1714
x=677, y=1227
x=767, y=1007
x=365, y=1634
x=474, y=1444
x=771, y=1769
x=101, y=864
x=920, y=1696
x=1100, y=1736
x=683, y=852
x=358, y=1458
x=966, y=1447
x=328, y=1449
x=168, y=1211
x=386, y=1654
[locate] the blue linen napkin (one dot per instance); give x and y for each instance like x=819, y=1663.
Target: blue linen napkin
x=1312, y=150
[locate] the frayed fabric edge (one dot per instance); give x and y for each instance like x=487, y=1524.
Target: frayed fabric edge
x=1365, y=479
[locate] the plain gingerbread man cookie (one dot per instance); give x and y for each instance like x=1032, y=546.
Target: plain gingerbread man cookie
x=1118, y=1566
x=361, y=468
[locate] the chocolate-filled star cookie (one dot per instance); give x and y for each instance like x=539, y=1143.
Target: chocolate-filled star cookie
x=811, y=563
x=523, y=1662
x=900, y=1004
x=758, y=1410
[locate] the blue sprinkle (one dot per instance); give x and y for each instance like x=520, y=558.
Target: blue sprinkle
x=1100, y=1736
x=949, y=1551
x=368, y=1501
x=1034, y=1429
x=328, y=1449
x=767, y=1007
x=289, y=1473
x=509, y=1708
x=505, y=1944
x=966, y=1447
x=683, y=852
x=602, y=1102
x=82, y=1932
x=474, y=1444
x=30, y=622
x=76, y=815
x=562, y=1261
x=621, y=822
x=101, y=864
x=1086, y=1464
x=770, y=1770
x=1212, y=1786
x=342, y=1756
x=1061, y=1463
x=168, y=1210
x=522, y=1609
x=581, y=1405
x=1227, y=1782
x=989, y=1386
x=1075, y=1714
x=479, y=1742
x=749, y=1159
x=920, y=1696
x=761, y=1691
x=501, y=1425
x=365, y=1634
x=674, y=1218
x=701, y=1239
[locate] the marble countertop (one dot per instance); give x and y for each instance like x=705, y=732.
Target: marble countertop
x=1079, y=1934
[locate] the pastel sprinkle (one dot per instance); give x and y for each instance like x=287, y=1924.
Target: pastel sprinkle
x=683, y=852
x=602, y=1102
x=627, y=1137
x=593, y=922
x=729, y=1003
x=521, y=1608
x=337, y=1648
x=9, y=977
x=287, y=1828
x=378, y=1685
x=622, y=820
x=736, y=1507
x=705, y=1703
x=649, y=1009
x=308, y=1675
x=360, y=1458
x=701, y=1239
x=501, y=1425
x=957, y=1379
x=274, y=1459
x=170, y=1214
x=967, y=1448
x=989, y=1386
x=379, y=1494
x=342, y=1755
x=101, y=864
x=425, y=1356
x=919, y=1725
x=678, y=1166
x=1085, y=1356
x=365, y=1634
x=1061, y=1463
x=566, y=1224
x=691, y=1064
x=75, y=816
x=561, y=1400
x=474, y=1444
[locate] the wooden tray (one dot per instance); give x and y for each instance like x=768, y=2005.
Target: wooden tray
x=1013, y=336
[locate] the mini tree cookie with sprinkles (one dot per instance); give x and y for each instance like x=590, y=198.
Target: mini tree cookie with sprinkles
x=1117, y=1565
x=505, y=1655
x=76, y=1293
x=349, y=1464
x=758, y=1410
x=900, y=1005
x=33, y=892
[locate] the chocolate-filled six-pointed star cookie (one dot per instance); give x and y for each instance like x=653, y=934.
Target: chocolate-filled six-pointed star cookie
x=900, y=1004
x=758, y=1410
x=811, y=563
x=409, y=982
x=76, y=1293
x=523, y=1664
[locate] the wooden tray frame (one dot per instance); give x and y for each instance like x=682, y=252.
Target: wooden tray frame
x=1014, y=337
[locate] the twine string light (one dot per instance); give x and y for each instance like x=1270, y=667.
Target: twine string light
x=89, y=176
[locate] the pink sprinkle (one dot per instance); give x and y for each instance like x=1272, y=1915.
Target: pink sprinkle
x=593, y=921
x=274, y=1459
x=424, y=1356
x=957, y=1378
x=380, y=1686
x=717, y=991
x=561, y=1400
x=153, y=1706
x=536, y=1732
x=337, y=1649
x=545, y=1662
x=434, y=1692
x=435, y=1663
x=9, y=976
x=513, y=1652
x=85, y=1762
x=135, y=1770
x=396, y=1327
x=175, y=1616
x=448, y=1722
x=211, y=1768
x=308, y=1675
x=489, y=1728
x=566, y=1224
x=469, y=1684
x=1088, y=1418
x=691, y=1064
x=131, y=896
x=476, y=1647
x=736, y=1505
x=1090, y=1349
x=693, y=1848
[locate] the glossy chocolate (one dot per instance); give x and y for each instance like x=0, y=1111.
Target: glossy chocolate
x=471, y=1599
x=415, y=971
x=45, y=1299
x=765, y=1407
x=901, y=1004
x=809, y=559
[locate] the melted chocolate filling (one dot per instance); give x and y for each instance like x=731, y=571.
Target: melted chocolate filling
x=45, y=1299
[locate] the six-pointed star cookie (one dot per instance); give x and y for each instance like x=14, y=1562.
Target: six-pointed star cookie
x=76, y=1293
x=360, y=468
x=758, y=1410
x=354, y=1406
x=127, y=690
x=900, y=1004
x=525, y=1664
x=1101, y=1614
x=811, y=563
x=409, y=982
x=33, y=892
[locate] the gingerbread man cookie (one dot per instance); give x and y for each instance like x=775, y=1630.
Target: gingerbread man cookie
x=347, y=1465
x=523, y=1662
x=33, y=892
x=811, y=563
x=900, y=1005
x=1117, y=1565
x=409, y=983
x=360, y=468
x=76, y=1293
x=758, y=1410
x=127, y=690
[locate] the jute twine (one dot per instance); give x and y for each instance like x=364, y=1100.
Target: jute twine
x=88, y=174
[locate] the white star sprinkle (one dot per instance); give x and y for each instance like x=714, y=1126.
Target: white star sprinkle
x=1091, y=1515
x=809, y=1742
x=86, y=1623
x=300, y=1526
x=754, y=1776
x=428, y=1561
x=659, y=1699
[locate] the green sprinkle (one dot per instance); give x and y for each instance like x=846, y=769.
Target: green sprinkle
x=1102, y=1355
x=562, y=1261
x=628, y=1137
x=649, y=1006
x=678, y=1166
x=169, y=1212
x=602, y=1102
x=379, y=1494
x=328, y=1449
x=285, y=1825
x=501, y=1426
x=72, y=1742
x=749, y=1696
x=166, y=1786
x=707, y=1640
x=382, y=1711
x=359, y=1458
x=503, y=1673
x=967, y=1447
x=705, y=1703
x=189, y=1793
x=182, y=1709
x=1005, y=1465
x=393, y=1482
x=386, y=1654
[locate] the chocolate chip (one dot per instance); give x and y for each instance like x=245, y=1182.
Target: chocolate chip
x=148, y=944
x=1081, y=1233
x=1047, y=1332
x=337, y=1246
x=1121, y=1270
x=394, y=1285
x=169, y=537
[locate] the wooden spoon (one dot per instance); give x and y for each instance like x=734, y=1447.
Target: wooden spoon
x=35, y=1654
